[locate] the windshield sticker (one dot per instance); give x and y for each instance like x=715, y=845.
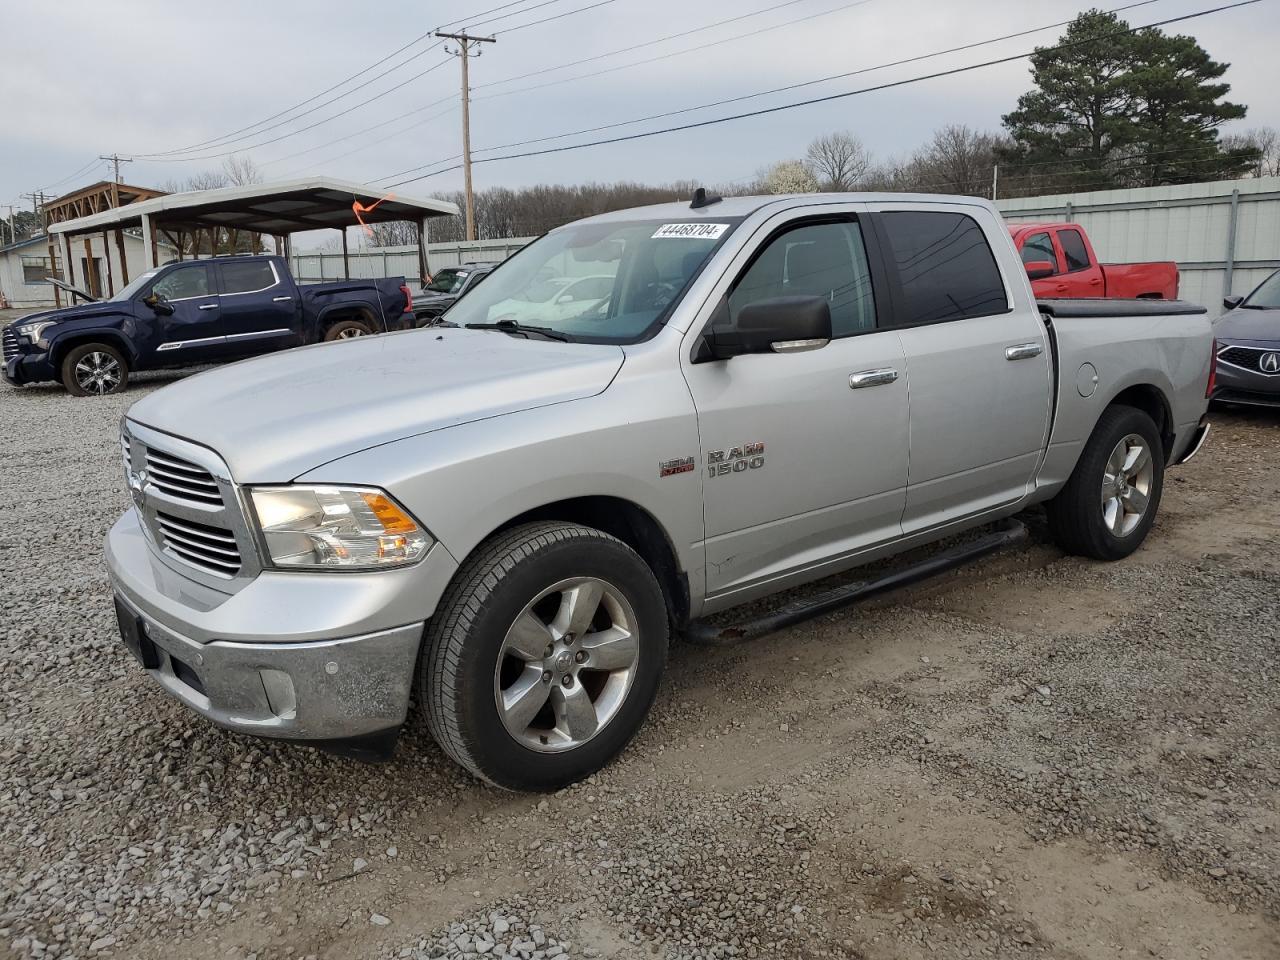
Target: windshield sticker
x=691, y=231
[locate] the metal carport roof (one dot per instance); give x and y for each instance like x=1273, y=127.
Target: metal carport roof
x=277, y=209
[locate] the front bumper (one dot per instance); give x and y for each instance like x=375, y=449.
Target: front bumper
x=350, y=695
x=1240, y=385
x=327, y=658
x=24, y=368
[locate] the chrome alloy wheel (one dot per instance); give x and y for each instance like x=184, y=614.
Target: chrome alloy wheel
x=350, y=332
x=98, y=372
x=1126, y=485
x=566, y=665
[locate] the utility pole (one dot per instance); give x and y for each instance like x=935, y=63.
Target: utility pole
x=13, y=230
x=995, y=180
x=115, y=160
x=463, y=52
x=37, y=199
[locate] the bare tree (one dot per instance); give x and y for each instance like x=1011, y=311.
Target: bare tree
x=838, y=160
x=241, y=170
x=1266, y=141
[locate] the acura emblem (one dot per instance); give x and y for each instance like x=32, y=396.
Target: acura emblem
x=1269, y=363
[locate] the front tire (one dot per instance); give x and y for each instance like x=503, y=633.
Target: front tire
x=94, y=370
x=544, y=656
x=1108, y=506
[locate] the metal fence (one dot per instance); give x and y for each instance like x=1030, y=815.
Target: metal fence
x=1224, y=235
x=399, y=261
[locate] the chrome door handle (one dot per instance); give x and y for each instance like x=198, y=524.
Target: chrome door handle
x=208, y=306
x=1023, y=351
x=281, y=299
x=880, y=377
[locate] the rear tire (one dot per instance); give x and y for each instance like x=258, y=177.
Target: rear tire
x=1108, y=506
x=544, y=656
x=347, y=329
x=94, y=370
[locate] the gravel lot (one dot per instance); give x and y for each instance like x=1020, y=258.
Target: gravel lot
x=1037, y=756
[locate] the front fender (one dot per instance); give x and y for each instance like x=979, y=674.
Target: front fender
x=118, y=329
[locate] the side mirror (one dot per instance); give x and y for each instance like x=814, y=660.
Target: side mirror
x=1232, y=302
x=565, y=298
x=159, y=304
x=780, y=325
x=1039, y=269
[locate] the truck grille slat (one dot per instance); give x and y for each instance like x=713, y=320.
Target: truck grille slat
x=212, y=548
x=10, y=339
x=182, y=479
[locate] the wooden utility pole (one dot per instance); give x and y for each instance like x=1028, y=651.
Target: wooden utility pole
x=463, y=52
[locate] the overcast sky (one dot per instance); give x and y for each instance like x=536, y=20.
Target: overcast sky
x=82, y=78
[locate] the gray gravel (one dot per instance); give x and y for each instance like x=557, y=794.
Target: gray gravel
x=972, y=768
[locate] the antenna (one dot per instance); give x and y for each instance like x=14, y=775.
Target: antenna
x=701, y=199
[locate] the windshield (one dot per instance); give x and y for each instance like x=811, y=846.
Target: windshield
x=1267, y=296
x=448, y=280
x=137, y=284
x=598, y=283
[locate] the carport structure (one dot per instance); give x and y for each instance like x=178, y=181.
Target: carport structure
x=277, y=210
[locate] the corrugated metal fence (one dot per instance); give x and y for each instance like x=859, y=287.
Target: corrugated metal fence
x=399, y=261
x=1225, y=235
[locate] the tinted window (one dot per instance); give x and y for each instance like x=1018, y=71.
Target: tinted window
x=247, y=277
x=947, y=270
x=824, y=260
x=183, y=283
x=1039, y=248
x=1073, y=249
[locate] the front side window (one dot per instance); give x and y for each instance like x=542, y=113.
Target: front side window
x=825, y=260
x=945, y=265
x=610, y=282
x=1038, y=248
x=1073, y=250
x=183, y=283
x=247, y=277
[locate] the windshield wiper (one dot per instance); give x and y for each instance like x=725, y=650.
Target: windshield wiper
x=515, y=326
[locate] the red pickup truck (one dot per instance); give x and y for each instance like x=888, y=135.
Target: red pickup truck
x=1061, y=263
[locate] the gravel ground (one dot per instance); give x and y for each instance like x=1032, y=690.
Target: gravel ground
x=1036, y=756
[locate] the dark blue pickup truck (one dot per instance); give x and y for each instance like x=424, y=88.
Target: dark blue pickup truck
x=196, y=312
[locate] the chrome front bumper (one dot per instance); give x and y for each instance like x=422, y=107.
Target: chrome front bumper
x=323, y=657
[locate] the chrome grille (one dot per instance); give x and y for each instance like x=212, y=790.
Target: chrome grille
x=181, y=479
x=1248, y=358
x=10, y=339
x=210, y=548
x=126, y=454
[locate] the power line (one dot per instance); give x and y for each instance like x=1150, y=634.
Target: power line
x=678, y=53
x=839, y=96
x=365, y=146
x=763, y=93
x=641, y=46
x=558, y=16
x=359, y=133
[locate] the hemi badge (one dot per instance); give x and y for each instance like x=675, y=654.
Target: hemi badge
x=669, y=468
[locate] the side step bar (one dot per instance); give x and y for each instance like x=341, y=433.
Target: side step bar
x=1007, y=534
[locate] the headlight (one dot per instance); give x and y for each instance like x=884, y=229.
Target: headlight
x=345, y=528
x=32, y=331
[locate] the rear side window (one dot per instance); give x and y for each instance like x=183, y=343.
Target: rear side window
x=1039, y=248
x=946, y=267
x=1073, y=249
x=247, y=277
x=824, y=260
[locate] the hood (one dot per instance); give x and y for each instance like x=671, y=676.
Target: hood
x=276, y=417
x=81, y=311
x=1245, y=324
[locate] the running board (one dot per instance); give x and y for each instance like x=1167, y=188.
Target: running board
x=1007, y=534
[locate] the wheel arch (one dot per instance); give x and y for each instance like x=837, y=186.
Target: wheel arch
x=1152, y=401
x=68, y=342
x=629, y=522
x=348, y=311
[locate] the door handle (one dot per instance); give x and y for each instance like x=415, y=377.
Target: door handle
x=281, y=299
x=880, y=377
x=1023, y=351
x=208, y=306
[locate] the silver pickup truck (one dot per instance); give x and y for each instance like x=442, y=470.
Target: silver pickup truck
x=507, y=515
